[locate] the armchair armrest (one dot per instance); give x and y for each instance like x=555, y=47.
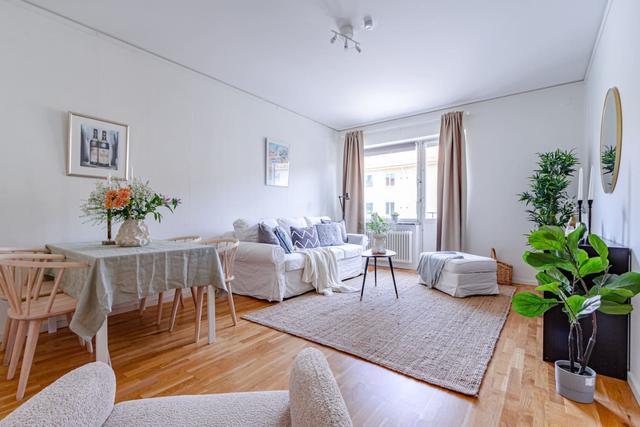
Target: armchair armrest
x=83, y=397
x=260, y=253
x=358, y=239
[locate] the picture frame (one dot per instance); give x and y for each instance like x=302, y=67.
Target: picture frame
x=97, y=148
x=277, y=163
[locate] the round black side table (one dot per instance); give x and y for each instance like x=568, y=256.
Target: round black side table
x=368, y=254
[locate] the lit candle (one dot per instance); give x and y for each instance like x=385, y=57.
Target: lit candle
x=580, y=179
x=591, y=176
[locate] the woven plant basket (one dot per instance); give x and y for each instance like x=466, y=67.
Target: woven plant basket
x=504, y=270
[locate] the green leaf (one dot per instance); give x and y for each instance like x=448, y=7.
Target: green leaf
x=616, y=295
x=589, y=306
x=610, y=307
x=630, y=281
x=573, y=305
x=559, y=276
x=545, y=261
x=581, y=256
x=529, y=304
x=593, y=266
x=547, y=238
x=599, y=246
x=573, y=239
x=553, y=287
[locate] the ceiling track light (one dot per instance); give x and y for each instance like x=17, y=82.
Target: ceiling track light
x=349, y=42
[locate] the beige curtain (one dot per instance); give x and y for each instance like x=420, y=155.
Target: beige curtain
x=451, y=184
x=353, y=181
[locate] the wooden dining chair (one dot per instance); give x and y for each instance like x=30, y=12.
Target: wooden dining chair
x=143, y=301
x=21, y=278
x=9, y=326
x=227, y=250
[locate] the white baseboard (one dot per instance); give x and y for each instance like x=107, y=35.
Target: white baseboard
x=525, y=281
x=634, y=384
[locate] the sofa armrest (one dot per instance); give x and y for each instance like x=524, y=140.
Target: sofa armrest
x=358, y=239
x=260, y=253
x=83, y=397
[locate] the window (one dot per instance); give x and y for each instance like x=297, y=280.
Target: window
x=390, y=179
x=369, y=180
x=394, y=186
x=389, y=208
x=431, y=180
x=369, y=208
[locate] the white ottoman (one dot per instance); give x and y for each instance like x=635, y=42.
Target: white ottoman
x=469, y=275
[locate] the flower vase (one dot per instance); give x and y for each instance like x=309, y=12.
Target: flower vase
x=133, y=232
x=379, y=243
x=109, y=242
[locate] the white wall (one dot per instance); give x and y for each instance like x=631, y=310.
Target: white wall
x=191, y=136
x=503, y=137
x=616, y=62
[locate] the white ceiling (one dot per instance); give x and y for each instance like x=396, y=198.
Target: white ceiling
x=421, y=55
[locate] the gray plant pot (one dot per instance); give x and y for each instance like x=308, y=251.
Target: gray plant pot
x=579, y=388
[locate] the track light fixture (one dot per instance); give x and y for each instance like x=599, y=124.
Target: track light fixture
x=346, y=34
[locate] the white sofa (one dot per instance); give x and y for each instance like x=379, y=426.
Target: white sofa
x=85, y=397
x=265, y=271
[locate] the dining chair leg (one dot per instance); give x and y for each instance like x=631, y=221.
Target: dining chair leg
x=29, y=351
x=199, y=299
x=194, y=296
x=232, y=306
x=18, y=345
x=174, y=309
x=181, y=300
x=5, y=334
x=159, y=313
x=11, y=339
x=142, y=306
x=89, y=345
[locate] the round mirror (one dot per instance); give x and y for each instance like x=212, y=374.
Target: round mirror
x=610, y=140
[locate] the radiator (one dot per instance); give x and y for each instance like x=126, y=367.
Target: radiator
x=400, y=242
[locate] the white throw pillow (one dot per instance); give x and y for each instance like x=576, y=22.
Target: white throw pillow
x=313, y=220
x=246, y=230
x=287, y=223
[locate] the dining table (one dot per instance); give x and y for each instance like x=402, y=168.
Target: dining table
x=115, y=275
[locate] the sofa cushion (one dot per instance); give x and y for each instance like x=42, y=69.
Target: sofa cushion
x=313, y=220
x=83, y=397
x=269, y=408
x=267, y=235
x=246, y=230
x=304, y=237
x=470, y=264
x=287, y=223
x=295, y=261
x=350, y=250
x=329, y=234
x=314, y=395
x=283, y=239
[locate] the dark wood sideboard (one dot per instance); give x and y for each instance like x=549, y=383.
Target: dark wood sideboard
x=611, y=354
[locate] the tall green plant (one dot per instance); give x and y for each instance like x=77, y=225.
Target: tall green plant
x=547, y=199
x=378, y=225
x=562, y=268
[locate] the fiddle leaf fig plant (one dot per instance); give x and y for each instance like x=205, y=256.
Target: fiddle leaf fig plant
x=562, y=268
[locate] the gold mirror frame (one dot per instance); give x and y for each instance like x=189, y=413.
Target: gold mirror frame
x=615, y=93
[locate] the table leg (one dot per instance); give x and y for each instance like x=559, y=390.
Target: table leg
x=364, y=279
x=211, y=313
x=375, y=272
x=394, y=277
x=102, y=344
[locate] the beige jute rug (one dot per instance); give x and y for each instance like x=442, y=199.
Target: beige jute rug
x=425, y=334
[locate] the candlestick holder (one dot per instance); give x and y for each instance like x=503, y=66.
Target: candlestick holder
x=589, y=204
x=580, y=211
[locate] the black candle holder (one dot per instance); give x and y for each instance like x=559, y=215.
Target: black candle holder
x=589, y=204
x=580, y=212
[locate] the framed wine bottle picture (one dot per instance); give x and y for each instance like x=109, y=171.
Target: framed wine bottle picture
x=97, y=148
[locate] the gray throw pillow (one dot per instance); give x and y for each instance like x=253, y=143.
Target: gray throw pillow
x=266, y=234
x=343, y=228
x=304, y=237
x=329, y=234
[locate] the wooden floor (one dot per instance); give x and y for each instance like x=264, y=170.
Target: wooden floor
x=518, y=388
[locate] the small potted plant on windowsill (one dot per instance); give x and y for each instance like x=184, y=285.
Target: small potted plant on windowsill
x=380, y=228
x=562, y=268
x=394, y=217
